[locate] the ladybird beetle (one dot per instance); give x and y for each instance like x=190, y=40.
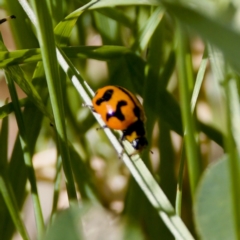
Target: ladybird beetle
x=121, y=110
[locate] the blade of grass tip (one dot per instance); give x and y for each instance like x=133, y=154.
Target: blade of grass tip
x=232, y=143
x=48, y=50
x=57, y=182
x=19, y=57
x=196, y=90
x=178, y=202
x=199, y=79
x=27, y=155
x=192, y=152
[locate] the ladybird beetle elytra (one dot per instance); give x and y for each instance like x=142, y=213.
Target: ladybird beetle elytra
x=121, y=110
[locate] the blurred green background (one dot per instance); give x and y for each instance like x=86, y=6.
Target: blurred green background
x=181, y=58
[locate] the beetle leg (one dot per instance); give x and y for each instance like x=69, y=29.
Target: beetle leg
x=102, y=127
x=89, y=106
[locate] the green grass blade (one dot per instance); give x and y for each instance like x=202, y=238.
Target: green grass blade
x=30, y=90
x=27, y=87
x=22, y=31
x=27, y=155
x=199, y=80
x=196, y=90
x=6, y=188
x=57, y=182
x=145, y=34
x=17, y=170
x=111, y=3
x=48, y=50
x=8, y=108
x=232, y=144
x=103, y=53
x=224, y=36
x=192, y=151
x=12, y=206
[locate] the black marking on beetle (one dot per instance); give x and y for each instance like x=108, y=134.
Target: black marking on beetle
x=136, y=109
x=118, y=113
x=137, y=127
x=139, y=143
x=106, y=97
x=127, y=93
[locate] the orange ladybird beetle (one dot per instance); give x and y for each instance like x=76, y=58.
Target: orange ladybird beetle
x=121, y=110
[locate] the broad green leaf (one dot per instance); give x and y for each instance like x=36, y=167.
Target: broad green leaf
x=213, y=205
x=90, y=222
x=66, y=225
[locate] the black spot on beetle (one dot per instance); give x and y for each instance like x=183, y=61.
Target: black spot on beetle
x=137, y=127
x=118, y=113
x=137, y=112
x=106, y=97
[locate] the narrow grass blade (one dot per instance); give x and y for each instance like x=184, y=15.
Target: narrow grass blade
x=27, y=155
x=22, y=31
x=192, y=151
x=147, y=31
x=27, y=86
x=224, y=36
x=48, y=50
x=8, y=108
x=232, y=143
x=196, y=90
x=103, y=53
x=199, y=80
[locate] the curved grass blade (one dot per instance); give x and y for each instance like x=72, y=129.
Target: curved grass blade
x=103, y=53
